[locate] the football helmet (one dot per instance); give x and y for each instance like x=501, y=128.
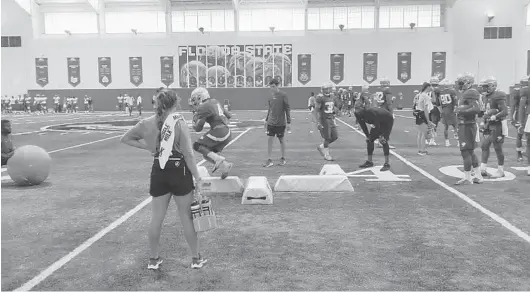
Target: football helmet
x=327, y=88
x=490, y=84
x=465, y=81
x=384, y=81
x=198, y=96
x=434, y=81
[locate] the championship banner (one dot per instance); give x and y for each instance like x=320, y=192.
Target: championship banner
x=336, y=72
x=404, y=67
x=234, y=65
x=370, y=67
x=41, y=71
x=74, y=74
x=105, y=71
x=135, y=71
x=166, y=67
x=304, y=68
x=438, y=65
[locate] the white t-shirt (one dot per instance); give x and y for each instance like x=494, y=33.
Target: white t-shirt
x=139, y=100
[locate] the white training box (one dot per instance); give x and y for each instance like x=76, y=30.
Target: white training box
x=313, y=183
x=332, y=169
x=257, y=192
x=203, y=171
x=216, y=185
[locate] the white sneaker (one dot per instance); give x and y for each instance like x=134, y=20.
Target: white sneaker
x=498, y=174
x=447, y=143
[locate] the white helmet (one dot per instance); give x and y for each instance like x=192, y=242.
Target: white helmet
x=198, y=96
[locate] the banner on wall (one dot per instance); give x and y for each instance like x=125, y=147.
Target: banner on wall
x=438, y=65
x=74, y=72
x=336, y=73
x=41, y=71
x=136, y=71
x=404, y=66
x=167, y=74
x=304, y=68
x=234, y=65
x=528, y=61
x=370, y=67
x=105, y=71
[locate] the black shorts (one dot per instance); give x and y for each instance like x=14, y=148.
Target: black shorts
x=176, y=180
x=384, y=131
x=278, y=131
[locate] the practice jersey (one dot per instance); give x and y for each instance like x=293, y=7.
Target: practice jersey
x=514, y=106
x=375, y=116
x=448, y=100
x=496, y=100
x=327, y=106
x=383, y=98
x=470, y=100
x=213, y=113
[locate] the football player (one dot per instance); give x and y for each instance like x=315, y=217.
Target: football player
x=383, y=95
x=494, y=126
x=435, y=114
x=467, y=111
x=448, y=101
x=514, y=115
x=325, y=109
x=209, y=110
x=381, y=121
x=524, y=116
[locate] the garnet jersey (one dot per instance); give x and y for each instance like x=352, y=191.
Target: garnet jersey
x=448, y=100
x=524, y=105
x=514, y=106
x=213, y=113
x=469, y=101
x=496, y=101
x=383, y=98
x=327, y=106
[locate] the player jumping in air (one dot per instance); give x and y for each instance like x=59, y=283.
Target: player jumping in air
x=382, y=122
x=448, y=101
x=516, y=98
x=325, y=109
x=209, y=110
x=494, y=126
x=524, y=116
x=467, y=111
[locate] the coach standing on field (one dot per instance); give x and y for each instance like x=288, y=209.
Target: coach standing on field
x=275, y=123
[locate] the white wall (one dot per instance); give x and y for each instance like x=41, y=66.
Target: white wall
x=16, y=63
x=421, y=43
x=503, y=58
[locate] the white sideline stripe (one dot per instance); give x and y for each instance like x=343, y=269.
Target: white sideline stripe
x=26, y=133
x=84, y=144
x=64, y=260
x=468, y=200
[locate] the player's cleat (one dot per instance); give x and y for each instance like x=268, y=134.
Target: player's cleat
x=154, y=264
x=477, y=179
x=217, y=159
x=328, y=157
x=197, y=263
x=447, y=143
x=282, y=161
x=519, y=156
x=464, y=181
x=484, y=173
x=367, y=164
x=498, y=174
x=320, y=149
x=385, y=167
x=226, y=167
x=421, y=153
x=268, y=163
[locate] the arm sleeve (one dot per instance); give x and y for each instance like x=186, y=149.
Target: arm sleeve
x=186, y=146
x=287, y=108
x=199, y=119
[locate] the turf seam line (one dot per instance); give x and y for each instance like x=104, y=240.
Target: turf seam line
x=455, y=192
x=71, y=255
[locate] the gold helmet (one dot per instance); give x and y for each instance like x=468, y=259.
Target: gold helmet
x=465, y=81
x=327, y=88
x=198, y=96
x=490, y=84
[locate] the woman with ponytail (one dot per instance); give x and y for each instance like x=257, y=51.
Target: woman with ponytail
x=167, y=137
